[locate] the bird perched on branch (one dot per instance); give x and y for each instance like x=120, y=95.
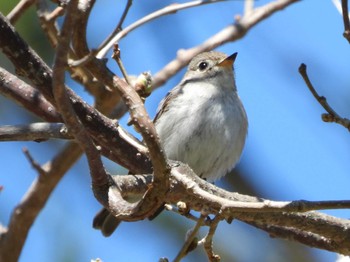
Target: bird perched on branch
x=201, y=122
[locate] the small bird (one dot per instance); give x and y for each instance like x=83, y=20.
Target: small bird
x=201, y=122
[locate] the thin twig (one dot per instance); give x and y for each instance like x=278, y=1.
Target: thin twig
x=189, y=239
x=332, y=116
x=84, y=60
x=47, y=20
x=344, y=5
x=206, y=222
x=51, y=17
x=343, y=10
x=34, y=164
x=170, y=9
x=119, y=25
x=208, y=240
x=19, y=9
x=116, y=57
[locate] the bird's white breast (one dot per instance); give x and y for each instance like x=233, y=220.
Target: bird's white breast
x=204, y=128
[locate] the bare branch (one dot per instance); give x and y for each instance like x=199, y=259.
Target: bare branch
x=132, y=98
x=344, y=5
x=23, y=94
x=19, y=9
x=104, y=130
x=153, y=197
x=228, y=34
x=208, y=240
x=59, y=11
x=119, y=25
x=186, y=186
x=201, y=195
x=191, y=235
x=98, y=173
x=116, y=143
x=26, y=61
x=187, y=215
x=248, y=7
x=116, y=57
x=100, y=78
x=58, y=78
x=34, y=164
x=25, y=213
x=94, y=131
x=332, y=116
x=170, y=9
x=37, y=132
x=343, y=10
x=82, y=61
x=105, y=99
x=302, y=236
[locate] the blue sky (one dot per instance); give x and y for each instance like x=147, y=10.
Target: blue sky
x=290, y=153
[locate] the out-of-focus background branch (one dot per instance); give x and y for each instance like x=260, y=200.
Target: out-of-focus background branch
x=290, y=153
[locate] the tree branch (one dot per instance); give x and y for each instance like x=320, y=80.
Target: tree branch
x=17, y=90
x=19, y=9
x=332, y=116
x=303, y=236
x=345, y=12
x=170, y=9
x=105, y=98
x=34, y=132
x=25, y=213
x=187, y=187
x=281, y=219
x=229, y=34
x=191, y=235
x=153, y=197
x=208, y=240
x=119, y=25
x=104, y=130
x=26, y=61
x=98, y=173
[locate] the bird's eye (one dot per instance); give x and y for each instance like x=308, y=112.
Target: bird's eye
x=202, y=66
